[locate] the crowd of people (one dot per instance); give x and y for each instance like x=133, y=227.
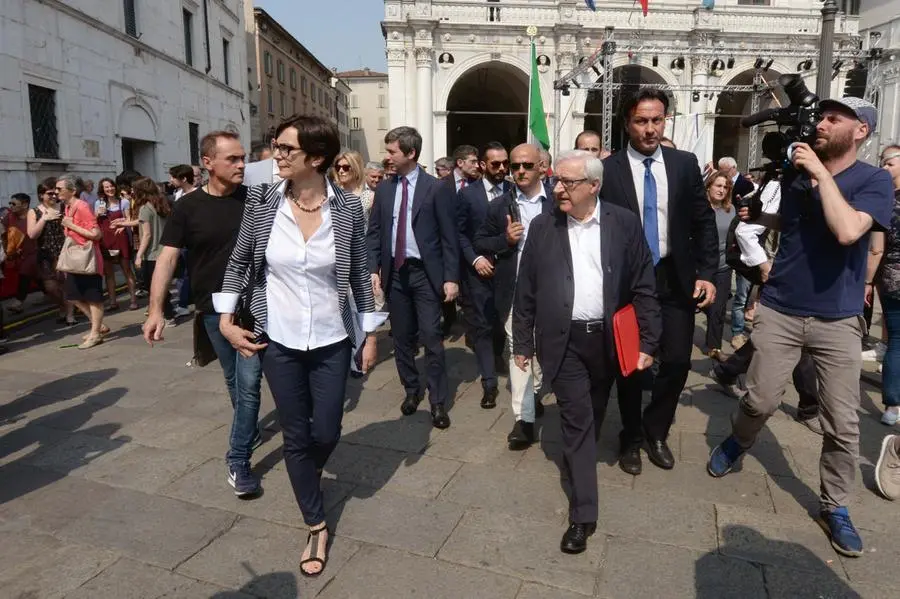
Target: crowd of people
x=292, y=277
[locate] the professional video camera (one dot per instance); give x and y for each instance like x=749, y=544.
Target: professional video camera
x=797, y=121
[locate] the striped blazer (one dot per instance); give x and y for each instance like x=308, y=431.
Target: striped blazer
x=249, y=255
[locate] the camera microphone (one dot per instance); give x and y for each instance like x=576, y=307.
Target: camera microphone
x=759, y=117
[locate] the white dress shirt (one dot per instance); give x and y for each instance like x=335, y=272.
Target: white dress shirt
x=529, y=209
x=493, y=191
x=747, y=234
x=587, y=267
x=301, y=283
x=412, y=248
x=658, y=169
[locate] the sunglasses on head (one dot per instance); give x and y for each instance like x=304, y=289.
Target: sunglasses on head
x=342, y=168
x=514, y=166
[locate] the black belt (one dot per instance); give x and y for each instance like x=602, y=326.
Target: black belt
x=587, y=326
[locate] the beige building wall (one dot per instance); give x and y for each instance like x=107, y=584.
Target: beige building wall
x=290, y=80
x=369, y=112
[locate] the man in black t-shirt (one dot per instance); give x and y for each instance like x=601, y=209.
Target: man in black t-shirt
x=206, y=222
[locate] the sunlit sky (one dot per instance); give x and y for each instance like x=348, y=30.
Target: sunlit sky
x=341, y=33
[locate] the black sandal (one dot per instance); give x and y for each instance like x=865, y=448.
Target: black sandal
x=314, y=559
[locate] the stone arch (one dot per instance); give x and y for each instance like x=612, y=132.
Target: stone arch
x=137, y=120
x=487, y=102
x=462, y=67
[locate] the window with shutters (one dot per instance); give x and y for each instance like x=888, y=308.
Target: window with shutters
x=131, y=18
x=281, y=101
x=354, y=101
x=381, y=101
x=280, y=72
x=354, y=123
x=226, y=46
x=293, y=78
x=267, y=63
x=270, y=101
x=303, y=87
x=44, y=127
x=187, y=19
x=194, y=142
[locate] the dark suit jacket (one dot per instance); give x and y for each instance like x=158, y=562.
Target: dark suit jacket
x=433, y=224
x=545, y=293
x=490, y=241
x=741, y=187
x=471, y=210
x=692, y=235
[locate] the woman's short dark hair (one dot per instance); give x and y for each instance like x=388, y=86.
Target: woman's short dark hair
x=183, y=171
x=48, y=184
x=642, y=95
x=318, y=138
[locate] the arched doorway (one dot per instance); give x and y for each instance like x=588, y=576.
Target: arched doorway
x=488, y=103
x=729, y=138
x=631, y=76
x=138, y=133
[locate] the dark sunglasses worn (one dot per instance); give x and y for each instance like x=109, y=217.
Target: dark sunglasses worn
x=499, y=163
x=342, y=168
x=514, y=166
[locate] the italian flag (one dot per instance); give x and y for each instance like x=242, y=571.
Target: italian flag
x=537, y=122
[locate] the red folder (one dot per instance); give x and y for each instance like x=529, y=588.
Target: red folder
x=628, y=339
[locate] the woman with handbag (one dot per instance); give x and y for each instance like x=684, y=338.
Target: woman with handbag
x=45, y=228
x=111, y=209
x=300, y=250
x=80, y=258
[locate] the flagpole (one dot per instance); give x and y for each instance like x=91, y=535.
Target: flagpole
x=532, y=33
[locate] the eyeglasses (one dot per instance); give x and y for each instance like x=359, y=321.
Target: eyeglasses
x=514, y=166
x=499, y=163
x=569, y=183
x=283, y=149
x=342, y=168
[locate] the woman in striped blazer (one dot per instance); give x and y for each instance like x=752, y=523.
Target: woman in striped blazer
x=300, y=248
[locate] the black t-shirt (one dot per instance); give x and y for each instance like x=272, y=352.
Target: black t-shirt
x=207, y=226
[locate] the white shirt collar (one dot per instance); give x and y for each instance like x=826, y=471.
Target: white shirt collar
x=412, y=177
x=593, y=218
x=521, y=197
x=490, y=187
x=636, y=156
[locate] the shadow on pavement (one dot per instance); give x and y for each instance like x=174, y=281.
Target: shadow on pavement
x=62, y=389
x=817, y=581
x=275, y=585
x=56, y=457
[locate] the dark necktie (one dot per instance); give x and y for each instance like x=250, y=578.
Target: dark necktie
x=400, y=246
x=462, y=183
x=651, y=217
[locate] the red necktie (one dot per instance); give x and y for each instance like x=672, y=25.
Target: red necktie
x=400, y=246
x=462, y=183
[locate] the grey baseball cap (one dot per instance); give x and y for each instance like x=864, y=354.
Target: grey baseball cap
x=864, y=110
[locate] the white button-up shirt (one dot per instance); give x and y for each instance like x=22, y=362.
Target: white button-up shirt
x=412, y=248
x=529, y=209
x=658, y=169
x=493, y=191
x=587, y=267
x=301, y=283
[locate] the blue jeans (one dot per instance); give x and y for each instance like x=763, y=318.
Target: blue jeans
x=741, y=290
x=890, y=375
x=242, y=377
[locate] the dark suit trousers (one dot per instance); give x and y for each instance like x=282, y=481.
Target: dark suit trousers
x=674, y=364
x=582, y=390
x=416, y=312
x=480, y=317
x=804, y=377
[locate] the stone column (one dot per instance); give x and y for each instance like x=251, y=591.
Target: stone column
x=397, y=96
x=440, y=136
x=699, y=77
x=425, y=112
x=568, y=124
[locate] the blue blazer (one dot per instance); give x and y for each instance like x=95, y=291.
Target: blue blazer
x=434, y=228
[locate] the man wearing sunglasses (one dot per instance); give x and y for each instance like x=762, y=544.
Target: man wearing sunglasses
x=477, y=271
x=501, y=238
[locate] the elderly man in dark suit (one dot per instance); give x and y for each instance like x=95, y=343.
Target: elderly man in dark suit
x=740, y=186
x=582, y=264
x=664, y=188
x=477, y=271
x=414, y=258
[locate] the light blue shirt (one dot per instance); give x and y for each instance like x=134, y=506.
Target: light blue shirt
x=412, y=248
x=529, y=209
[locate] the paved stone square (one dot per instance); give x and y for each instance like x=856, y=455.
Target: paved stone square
x=112, y=485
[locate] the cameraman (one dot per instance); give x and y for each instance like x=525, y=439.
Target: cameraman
x=813, y=301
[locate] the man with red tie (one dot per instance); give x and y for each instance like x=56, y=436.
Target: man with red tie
x=414, y=259
x=467, y=170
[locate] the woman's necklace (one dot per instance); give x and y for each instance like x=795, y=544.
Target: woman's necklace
x=304, y=208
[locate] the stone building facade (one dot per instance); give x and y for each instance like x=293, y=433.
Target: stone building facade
x=369, y=111
x=458, y=69
x=91, y=87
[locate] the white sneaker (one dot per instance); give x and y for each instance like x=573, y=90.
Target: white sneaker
x=876, y=354
x=890, y=416
x=180, y=312
x=171, y=323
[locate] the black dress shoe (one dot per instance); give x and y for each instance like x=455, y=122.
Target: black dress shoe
x=489, y=399
x=660, y=454
x=410, y=404
x=521, y=436
x=439, y=418
x=575, y=538
x=630, y=459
